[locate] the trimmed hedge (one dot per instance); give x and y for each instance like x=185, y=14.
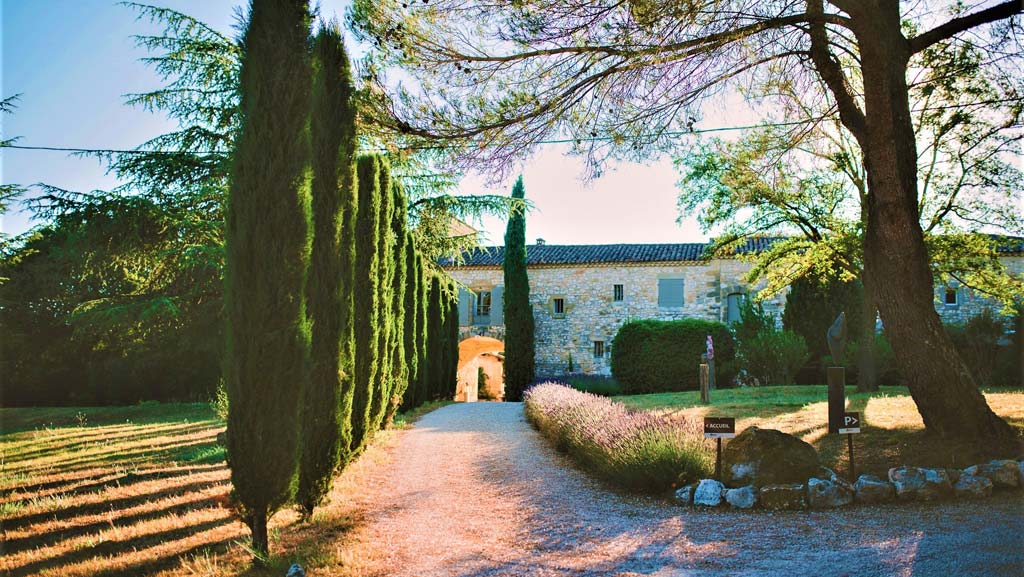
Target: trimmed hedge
x=651, y=356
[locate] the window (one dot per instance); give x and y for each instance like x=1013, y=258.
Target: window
x=483, y=303
x=952, y=297
x=617, y=292
x=598, y=349
x=558, y=307
x=670, y=292
x=733, y=303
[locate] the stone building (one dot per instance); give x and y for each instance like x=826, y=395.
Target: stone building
x=582, y=294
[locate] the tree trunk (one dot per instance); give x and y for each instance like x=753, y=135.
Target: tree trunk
x=867, y=367
x=895, y=256
x=260, y=545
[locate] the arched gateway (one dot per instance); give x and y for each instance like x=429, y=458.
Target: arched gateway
x=481, y=374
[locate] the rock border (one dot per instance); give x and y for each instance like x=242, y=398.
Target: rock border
x=828, y=490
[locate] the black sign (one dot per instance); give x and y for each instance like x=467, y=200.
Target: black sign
x=719, y=427
x=851, y=423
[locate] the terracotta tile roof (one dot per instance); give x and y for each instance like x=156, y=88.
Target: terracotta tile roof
x=553, y=254
x=571, y=254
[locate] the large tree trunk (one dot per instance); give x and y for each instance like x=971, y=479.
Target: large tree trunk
x=895, y=256
x=867, y=366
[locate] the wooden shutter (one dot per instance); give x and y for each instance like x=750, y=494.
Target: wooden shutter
x=497, y=306
x=670, y=292
x=466, y=300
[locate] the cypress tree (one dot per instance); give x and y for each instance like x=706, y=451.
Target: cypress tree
x=519, y=346
x=365, y=302
x=328, y=393
x=452, y=321
x=399, y=367
x=409, y=332
x=386, y=243
x=419, y=394
x=435, y=340
x=267, y=253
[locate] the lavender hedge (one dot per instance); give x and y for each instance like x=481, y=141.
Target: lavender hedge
x=636, y=450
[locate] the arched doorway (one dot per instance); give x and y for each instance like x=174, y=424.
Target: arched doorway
x=478, y=356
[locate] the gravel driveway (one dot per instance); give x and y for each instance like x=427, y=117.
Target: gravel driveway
x=472, y=490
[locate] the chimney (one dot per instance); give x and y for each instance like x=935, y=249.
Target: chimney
x=541, y=242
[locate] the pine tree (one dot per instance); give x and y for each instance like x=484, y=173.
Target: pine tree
x=327, y=401
x=519, y=346
x=385, y=332
x=267, y=258
x=410, y=331
x=399, y=366
x=366, y=305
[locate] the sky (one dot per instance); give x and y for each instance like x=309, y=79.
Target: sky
x=73, y=62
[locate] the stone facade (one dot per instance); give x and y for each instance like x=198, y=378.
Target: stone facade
x=967, y=303
x=590, y=313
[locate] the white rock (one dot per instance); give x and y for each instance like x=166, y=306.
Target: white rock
x=708, y=493
x=742, y=498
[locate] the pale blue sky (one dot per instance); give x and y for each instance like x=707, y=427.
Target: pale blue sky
x=74, y=60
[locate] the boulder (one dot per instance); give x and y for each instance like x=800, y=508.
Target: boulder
x=824, y=494
x=871, y=489
x=295, y=571
x=791, y=496
x=708, y=493
x=920, y=484
x=763, y=457
x=742, y=498
x=684, y=495
x=1003, y=474
x=972, y=486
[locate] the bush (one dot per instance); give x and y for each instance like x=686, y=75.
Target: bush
x=650, y=356
x=980, y=343
x=594, y=384
x=774, y=357
x=885, y=362
x=633, y=449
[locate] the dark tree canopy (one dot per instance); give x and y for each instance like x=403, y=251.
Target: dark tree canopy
x=518, y=312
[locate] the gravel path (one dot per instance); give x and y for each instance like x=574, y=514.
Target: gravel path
x=473, y=491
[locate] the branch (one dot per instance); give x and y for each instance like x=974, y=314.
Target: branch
x=958, y=25
x=832, y=73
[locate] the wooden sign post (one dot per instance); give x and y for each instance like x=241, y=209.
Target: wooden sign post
x=851, y=425
x=719, y=428
x=705, y=396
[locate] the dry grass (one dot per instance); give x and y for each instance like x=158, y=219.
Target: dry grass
x=893, y=432
x=145, y=491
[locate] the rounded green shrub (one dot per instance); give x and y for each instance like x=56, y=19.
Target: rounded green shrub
x=651, y=356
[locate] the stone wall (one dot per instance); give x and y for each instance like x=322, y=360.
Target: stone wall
x=970, y=303
x=592, y=315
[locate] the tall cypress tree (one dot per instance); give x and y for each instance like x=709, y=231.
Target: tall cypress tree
x=267, y=258
x=452, y=322
x=399, y=367
x=328, y=393
x=435, y=340
x=385, y=247
x=410, y=332
x=418, y=396
x=519, y=346
x=366, y=305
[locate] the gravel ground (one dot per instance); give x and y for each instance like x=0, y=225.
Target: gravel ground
x=472, y=490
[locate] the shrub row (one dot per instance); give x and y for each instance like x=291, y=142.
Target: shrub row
x=653, y=356
x=635, y=450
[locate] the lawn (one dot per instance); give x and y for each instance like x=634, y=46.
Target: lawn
x=893, y=432
x=139, y=490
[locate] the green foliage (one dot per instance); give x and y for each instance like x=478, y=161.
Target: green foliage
x=410, y=332
x=219, y=403
x=884, y=359
x=595, y=385
x=399, y=368
x=517, y=311
x=774, y=357
x=385, y=331
x=753, y=321
x=654, y=356
x=367, y=316
x=268, y=244
x=570, y=368
x=435, y=366
x=812, y=306
x=451, y=353
x=981, y=342
x=326, y=418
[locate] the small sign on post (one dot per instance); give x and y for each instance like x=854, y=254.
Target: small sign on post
x=719, y=428
x=851, y=425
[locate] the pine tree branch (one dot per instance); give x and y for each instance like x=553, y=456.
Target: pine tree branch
x=958, y=25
